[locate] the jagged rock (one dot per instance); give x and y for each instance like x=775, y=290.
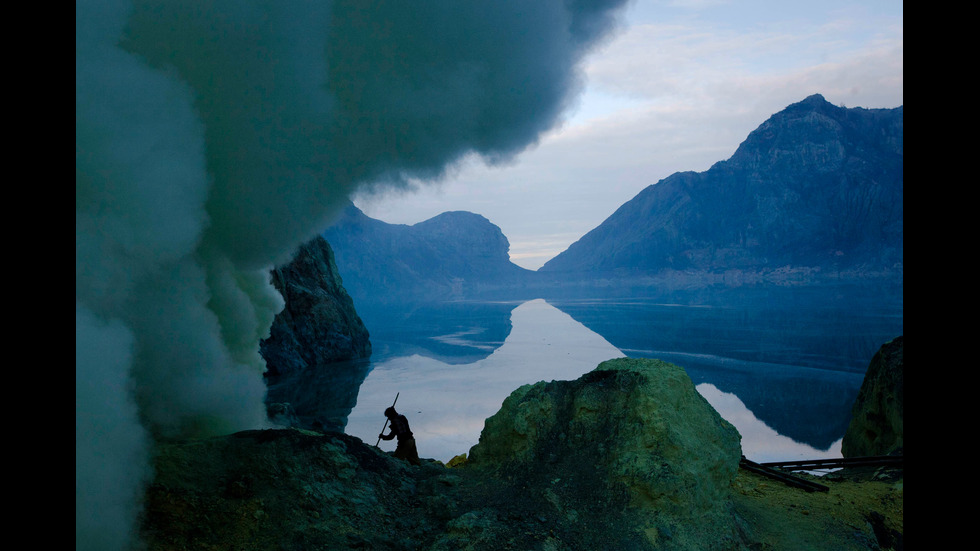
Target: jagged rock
x=878, y=416
x=318, y=324
x=457, y=461
x=633, y=436
x=317, y=350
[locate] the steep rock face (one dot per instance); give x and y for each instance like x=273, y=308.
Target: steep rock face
x=450, y=256
x=815, y=191
x=633, y=429
x=318, y=346
x=877, y=420
x=318, y=325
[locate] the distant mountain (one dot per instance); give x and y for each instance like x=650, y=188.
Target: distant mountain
x=452, y=255
x=814, y=193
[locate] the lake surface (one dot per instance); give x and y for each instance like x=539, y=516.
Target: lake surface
x=783, y=367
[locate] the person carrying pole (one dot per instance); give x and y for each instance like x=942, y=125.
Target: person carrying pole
x=406, y=441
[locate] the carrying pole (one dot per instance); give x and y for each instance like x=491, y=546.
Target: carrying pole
x=386, y=420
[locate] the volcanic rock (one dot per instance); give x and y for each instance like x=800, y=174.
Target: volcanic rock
x=629, y=456
x=318, y=325
x=877, y=419
x=633, y=440
x=317, y=350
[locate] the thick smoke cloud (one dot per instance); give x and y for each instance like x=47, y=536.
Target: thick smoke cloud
x=214, y=137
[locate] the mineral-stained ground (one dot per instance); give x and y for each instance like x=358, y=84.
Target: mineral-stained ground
x=538, y=480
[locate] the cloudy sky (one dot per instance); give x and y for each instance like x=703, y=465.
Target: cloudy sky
x=677, y=89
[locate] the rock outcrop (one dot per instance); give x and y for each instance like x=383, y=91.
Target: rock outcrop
x=318, y=325
x=631, y=443
x=877, y=420
x=317, y=336
x=627, y=457
x=286, y=489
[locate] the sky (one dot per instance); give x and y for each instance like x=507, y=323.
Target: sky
x=677, y=88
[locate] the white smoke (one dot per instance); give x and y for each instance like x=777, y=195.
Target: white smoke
x=214, y=137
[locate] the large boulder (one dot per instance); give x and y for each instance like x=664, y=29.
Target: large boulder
x=877, y=419
x=636, y=433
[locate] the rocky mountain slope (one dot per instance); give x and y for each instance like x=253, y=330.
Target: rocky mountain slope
x=814, y=193
x=627, y=457
x=452, y=255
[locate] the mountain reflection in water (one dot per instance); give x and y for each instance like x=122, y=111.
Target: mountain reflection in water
x=453, y=369
x=446, y=404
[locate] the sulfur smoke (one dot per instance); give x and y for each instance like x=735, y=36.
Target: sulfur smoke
x=214, y=137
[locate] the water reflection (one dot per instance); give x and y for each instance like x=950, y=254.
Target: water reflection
x=319, y=397
x=760, y=442
x=447, y=402
x=795, y=357
x=453, y=332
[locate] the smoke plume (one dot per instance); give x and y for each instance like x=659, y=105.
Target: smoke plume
x=212, y=138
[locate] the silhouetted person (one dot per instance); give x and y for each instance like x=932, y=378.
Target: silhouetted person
x=406, y=442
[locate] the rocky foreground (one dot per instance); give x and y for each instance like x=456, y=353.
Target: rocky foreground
x=629, y=456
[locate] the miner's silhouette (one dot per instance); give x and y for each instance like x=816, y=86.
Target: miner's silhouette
x=406, y=441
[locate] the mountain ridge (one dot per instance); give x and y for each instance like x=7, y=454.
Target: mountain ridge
x=815, y=186
x=814, y=195
x=452, y=255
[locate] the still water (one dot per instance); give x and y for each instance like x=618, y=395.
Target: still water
x=784, y=372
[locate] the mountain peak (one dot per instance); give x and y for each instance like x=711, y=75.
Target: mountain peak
x=816, y=188
x=815, y=99
x=460, y=219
